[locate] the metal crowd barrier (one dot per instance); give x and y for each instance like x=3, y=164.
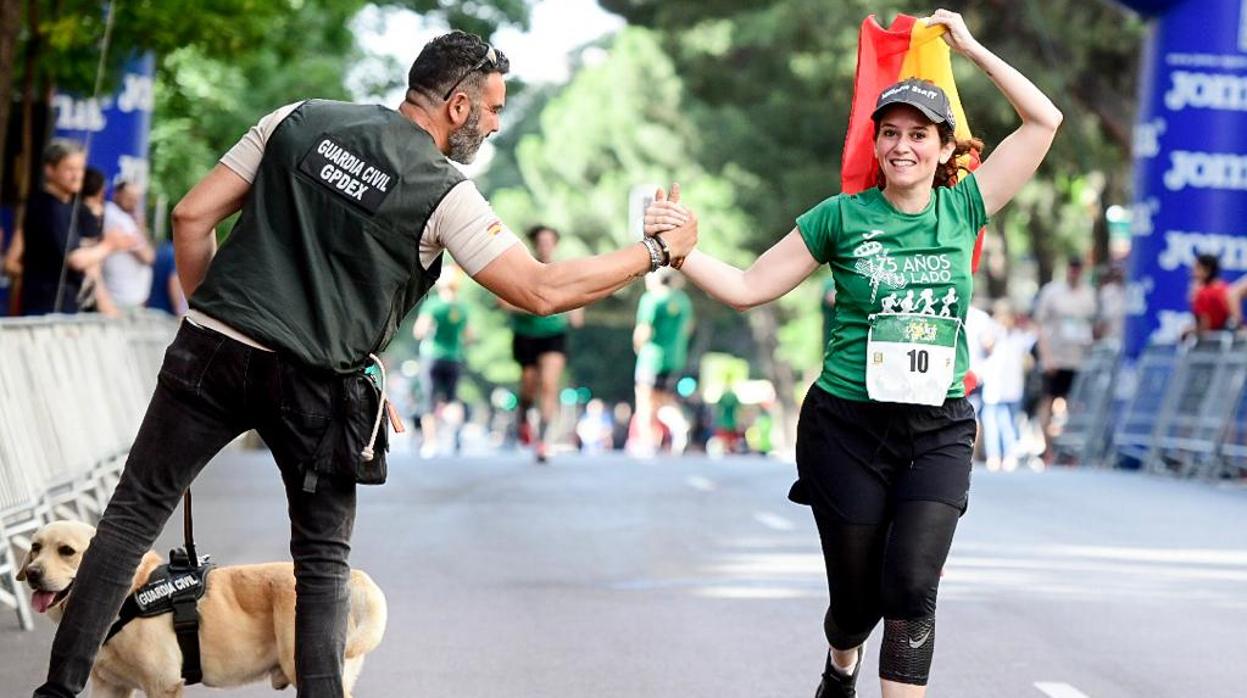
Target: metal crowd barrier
x=1181, y=409
x=1231, y=456
x=1135, y=428
x=1084, y=438
x=73, y=390
x=1200, y=398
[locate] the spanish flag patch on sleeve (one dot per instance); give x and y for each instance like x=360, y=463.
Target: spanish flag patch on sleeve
x=494, y=228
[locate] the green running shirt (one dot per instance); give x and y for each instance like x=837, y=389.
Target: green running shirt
x=670, y=314
x=450, y=319
x=885, y=261
x=539, y=326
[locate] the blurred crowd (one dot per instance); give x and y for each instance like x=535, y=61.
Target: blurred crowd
x=82, y=244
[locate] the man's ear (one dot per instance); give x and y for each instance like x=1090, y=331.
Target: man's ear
x=458, y=108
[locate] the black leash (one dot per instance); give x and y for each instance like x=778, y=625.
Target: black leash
x=188, y=529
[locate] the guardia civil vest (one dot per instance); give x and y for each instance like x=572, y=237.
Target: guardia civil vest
x=324, y=261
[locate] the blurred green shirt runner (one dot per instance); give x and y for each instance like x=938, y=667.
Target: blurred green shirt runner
x=528, y=325
x=728, y=417
x=885, y=261
x=450, y=319
x=670, y=314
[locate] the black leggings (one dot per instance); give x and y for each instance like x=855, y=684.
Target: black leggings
x=891, y=571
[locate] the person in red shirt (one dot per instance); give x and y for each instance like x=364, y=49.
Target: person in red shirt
x=1210, y=300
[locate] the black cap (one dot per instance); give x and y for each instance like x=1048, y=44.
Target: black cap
x=923, y=95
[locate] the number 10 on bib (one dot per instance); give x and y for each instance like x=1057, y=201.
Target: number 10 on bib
x=911, y=358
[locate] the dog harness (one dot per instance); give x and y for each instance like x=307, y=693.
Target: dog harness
x=173, y=588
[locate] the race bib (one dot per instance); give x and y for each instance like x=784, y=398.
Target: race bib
x=911, y=358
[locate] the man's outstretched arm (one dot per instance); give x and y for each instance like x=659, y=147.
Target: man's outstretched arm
x=518, y=278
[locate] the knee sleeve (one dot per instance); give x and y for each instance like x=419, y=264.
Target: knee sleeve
x=845, y=638
x=908, y=646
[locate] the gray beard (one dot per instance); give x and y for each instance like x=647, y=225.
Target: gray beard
x=467, y=139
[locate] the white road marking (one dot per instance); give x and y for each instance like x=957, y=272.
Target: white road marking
x=773, y=521
x=1059, y=690
x=698, y=482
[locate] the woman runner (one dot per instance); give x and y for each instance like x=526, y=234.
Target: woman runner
x=885, y=435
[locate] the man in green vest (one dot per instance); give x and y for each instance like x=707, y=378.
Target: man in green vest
x=345, y=212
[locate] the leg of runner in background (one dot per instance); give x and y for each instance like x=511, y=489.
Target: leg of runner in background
x=642, y=441
x=550, y=369
x=528, y=396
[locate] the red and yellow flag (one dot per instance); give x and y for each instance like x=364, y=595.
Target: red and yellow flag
x=907, y=49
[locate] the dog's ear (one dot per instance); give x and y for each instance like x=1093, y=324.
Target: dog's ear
x=21, y=569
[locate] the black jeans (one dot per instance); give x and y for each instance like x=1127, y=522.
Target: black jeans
x=211, y=389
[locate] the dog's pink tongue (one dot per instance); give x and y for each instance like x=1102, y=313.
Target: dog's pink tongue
x=42, y=600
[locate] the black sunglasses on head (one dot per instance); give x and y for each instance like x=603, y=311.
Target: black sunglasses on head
x=490, y=60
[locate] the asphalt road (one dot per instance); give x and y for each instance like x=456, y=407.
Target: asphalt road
x=683, y=578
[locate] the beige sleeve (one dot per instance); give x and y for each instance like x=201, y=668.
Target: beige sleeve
x=466, y=226
x=244, y=157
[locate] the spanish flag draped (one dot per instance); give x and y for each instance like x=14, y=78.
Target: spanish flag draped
x=907, y=49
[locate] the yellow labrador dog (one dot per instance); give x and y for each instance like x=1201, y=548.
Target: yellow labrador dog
x=246, y=622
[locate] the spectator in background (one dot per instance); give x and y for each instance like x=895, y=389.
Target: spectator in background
x=1065, y=313
x=54, y=236
x=128, y=271
x=1111, y=320
x=166, y=290
x=595, y=430
x=442, y=328
x=623, y=418
x=1210, y=296
x=93, y=296
x=978, y=328
x=1004, y=381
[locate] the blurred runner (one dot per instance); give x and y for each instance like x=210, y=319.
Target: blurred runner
x=664, y=323
x=727, y=420
x=539, y=345
x=442, y=328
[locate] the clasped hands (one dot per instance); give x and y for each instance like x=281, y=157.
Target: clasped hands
x=676, y=224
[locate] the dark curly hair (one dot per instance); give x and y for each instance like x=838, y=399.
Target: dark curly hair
x=946, y=173
x=93, y=182
x=446, y=60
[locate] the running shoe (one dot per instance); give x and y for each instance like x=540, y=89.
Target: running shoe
x=525, y=433
x=542, y=452
x=836, y=684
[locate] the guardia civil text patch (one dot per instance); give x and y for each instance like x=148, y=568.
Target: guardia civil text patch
x=347, y=173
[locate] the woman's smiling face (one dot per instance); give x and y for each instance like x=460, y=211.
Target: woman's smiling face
x=908, y=148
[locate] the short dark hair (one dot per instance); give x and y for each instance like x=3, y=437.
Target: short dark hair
x=92, y=182
x=534, y=231
x=448, y=58
x=58, y=149
x=1210, y=262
